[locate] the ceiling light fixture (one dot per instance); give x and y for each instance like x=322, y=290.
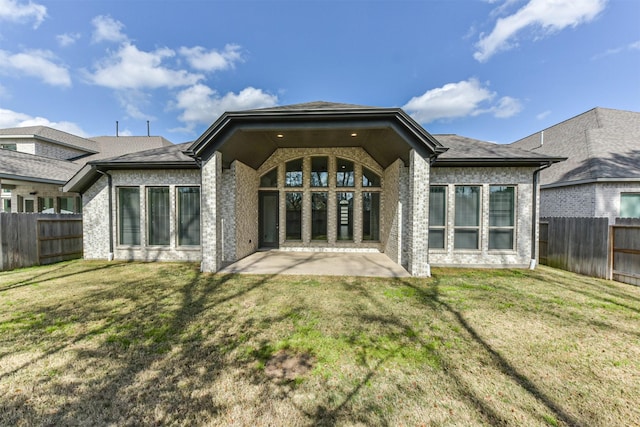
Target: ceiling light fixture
x=280, y=135
x=353, y=135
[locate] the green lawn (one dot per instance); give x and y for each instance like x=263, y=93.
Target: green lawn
x=95, y=343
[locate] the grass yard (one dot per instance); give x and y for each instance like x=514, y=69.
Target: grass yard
x=95, y=343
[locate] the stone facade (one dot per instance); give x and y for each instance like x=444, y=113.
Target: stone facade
x=229, y=211
x=522, y=180
x=96, y=203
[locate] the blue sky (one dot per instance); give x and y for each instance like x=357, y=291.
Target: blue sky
x=496, y=70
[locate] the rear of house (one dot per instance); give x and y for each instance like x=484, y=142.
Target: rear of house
x=316, y=177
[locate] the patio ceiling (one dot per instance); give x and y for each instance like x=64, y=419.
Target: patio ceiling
x=251, y=137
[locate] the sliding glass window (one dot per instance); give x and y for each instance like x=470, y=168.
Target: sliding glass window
x=294, y=216
x=158, y=215
x=501, y=217
x=129, y=215
x=437, y=216
x=319, y=216
x=371, y=216
x=188, y=216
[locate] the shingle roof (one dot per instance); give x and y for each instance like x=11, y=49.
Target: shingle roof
x=601, y=144
x=315, y=105
x=167, y=154
x=28, y=167
x=51, y=135
x=112, y=146
x=469, y=150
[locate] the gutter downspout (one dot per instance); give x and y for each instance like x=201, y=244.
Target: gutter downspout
x=534, y=213
x=110, y=185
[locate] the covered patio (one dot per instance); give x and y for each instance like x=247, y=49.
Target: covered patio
x=317, y=263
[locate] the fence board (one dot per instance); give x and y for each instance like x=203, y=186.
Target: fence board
x=625, y=253
x=33, y=239
x=577, y=244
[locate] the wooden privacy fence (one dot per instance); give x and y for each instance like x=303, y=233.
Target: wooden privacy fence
x=37, y=239
x=624, y=240
x=580, y=245
x=591, y=247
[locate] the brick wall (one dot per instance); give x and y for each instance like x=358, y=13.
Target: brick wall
x=96, y=204
x=522, y=178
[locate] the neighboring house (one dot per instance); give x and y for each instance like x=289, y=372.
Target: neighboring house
x=315, y=177
x=601, y=177
x=36, y=161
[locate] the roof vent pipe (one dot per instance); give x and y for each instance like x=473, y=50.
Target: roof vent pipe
x=148, y=130
x=117, y=129
x=541, y=138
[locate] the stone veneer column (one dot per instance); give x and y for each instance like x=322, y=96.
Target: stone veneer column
x=418, y=232
x=210, y=214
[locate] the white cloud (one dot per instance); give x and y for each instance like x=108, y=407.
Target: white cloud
x=14, y=11
x=550, y=15
x=213, y=60
x=36, y=63
x=105, y=28
x=461, y=99
x=543, y=115
x=133, y=101
x=203, y=105
x=131, y=68
x=67, y=39
x=11, y=119
x=629, y=47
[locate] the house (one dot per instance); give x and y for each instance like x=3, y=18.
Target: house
x=36, y=161
x=601, y=177
x=316, y=177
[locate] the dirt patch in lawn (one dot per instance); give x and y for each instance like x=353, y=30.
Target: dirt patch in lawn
x=285, y=365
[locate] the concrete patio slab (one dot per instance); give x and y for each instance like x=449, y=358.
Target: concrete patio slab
x=317, y=263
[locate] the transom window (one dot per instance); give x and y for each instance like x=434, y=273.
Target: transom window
x=370, y=178
x=269, y=179
x=293, y=174
x=319, y=171
x=345, y=176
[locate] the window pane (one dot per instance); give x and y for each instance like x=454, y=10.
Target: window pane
x=345, y=216
x=158, y=215
x=129, y=215
x=629, y=205
x=467, y=206
x=6, y=205
x=501, y=206
x=319, y=216
x=437, y=205
x=269, y=179
x=45, y=205
x=344, y=175
x=369, y=178
x=500, y=239
x=370, y=216
x=319, y=172
x=465, y=239
x=293, y=176
x=294, y=216
x=436, y=238
x=188, y=216
x=66, y=205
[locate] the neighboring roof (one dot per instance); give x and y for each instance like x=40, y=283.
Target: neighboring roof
x=465, y=151
x=111, y=146
x=385, y=133
x=28, y=167
x=601, y=145
x=48, y=134
x=169, y=157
